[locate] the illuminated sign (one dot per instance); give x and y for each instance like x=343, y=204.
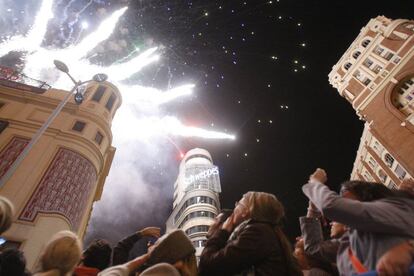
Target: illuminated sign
x=201, y=175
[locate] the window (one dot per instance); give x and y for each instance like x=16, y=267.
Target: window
x=347, y=65
x=362, y=77
x=197, y=229
x=409, y=26
x=98, y=138
x=372, y=163
x=365, y=43
x=366, y=81
x=400, y=172
x=368, y=62
x=110, y=102
x=388, y=56
x=389, y=160
x=3, y=125
x=382, y=176
x=396, y=60
x=392, y=185
x=356, y=54
x=379, y=50
x=199, y=243
x=78, y=126
x=402, y=96
x=98, y=93
x=377, y=68
x=195, y=200
x=197, y=214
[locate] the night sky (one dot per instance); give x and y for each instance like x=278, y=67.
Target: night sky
x=261, y=73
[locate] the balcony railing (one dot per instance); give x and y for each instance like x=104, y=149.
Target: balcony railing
x=14, y=79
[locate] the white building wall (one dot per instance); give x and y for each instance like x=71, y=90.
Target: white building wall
x=196, y=197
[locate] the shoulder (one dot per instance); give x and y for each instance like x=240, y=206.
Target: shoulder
x=259, y=227
x=119, y=270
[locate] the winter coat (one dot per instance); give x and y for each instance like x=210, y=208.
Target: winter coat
x=256, y=250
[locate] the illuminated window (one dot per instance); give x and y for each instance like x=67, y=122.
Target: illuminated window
x=99, y=93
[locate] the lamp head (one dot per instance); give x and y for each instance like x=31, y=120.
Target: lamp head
x=61, y=66
x=100, y=77
x=78, y=97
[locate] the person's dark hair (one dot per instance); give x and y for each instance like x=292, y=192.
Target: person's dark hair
x=314, y=262
x=367, y=191
x=226, y=214
x=12, y=262
x=98, y=254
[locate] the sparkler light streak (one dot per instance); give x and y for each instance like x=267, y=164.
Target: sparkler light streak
x=145, y=100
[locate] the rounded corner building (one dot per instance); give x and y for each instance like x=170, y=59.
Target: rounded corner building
x=196, y=197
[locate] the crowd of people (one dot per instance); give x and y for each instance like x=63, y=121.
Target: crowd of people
x=371, y=232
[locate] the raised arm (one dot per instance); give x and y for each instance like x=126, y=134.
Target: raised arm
x=390, y=216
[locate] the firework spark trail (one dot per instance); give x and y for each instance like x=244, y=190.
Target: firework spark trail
x=103, y=32
x=145, y=100
x=65, y=10
x=128, y=56
x=34, y=37
x=76, y=19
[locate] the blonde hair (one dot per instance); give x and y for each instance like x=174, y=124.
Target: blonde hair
x=6, y=214
x=264, y=207
x=62, y=253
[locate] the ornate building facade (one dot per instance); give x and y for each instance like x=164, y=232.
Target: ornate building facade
x=376, y=75
x=56, y=185
x=196, y=197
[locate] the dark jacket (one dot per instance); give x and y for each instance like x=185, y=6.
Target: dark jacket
x=315, y=245
x=121, y=250
x=256, y=247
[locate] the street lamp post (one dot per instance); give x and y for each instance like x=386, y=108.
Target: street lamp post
x=63, y=68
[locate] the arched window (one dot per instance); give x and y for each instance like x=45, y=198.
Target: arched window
x=389, y=160
x=403, y=96
x=347, y=65
x=356, y=54
x=365, y=43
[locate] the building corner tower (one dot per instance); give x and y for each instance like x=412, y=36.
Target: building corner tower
x=376, y=75
x=196, y=197
x=55, y=186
